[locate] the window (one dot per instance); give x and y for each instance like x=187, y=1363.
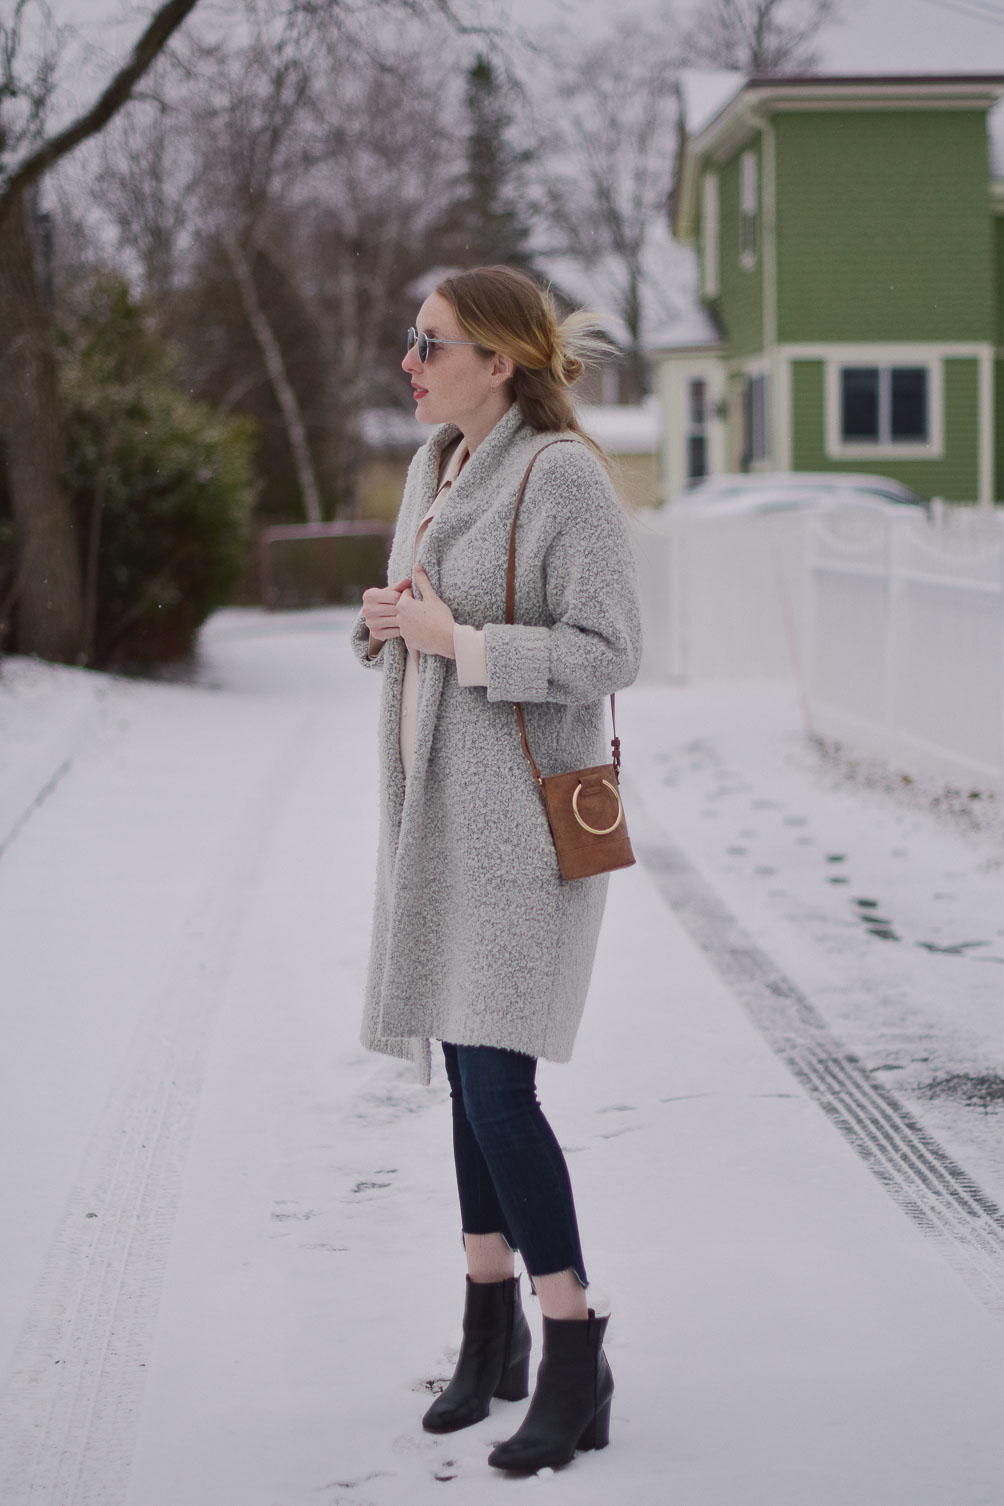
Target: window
x=709, y=236
x=756, y=445
x=884, y=405
x=885, y=402
x=698, y=402
x=748, y=204
x=697, y=429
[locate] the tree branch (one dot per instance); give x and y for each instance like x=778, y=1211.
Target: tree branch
x=149, y=46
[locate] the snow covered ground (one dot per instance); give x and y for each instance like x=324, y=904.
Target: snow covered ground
x=231, y=1263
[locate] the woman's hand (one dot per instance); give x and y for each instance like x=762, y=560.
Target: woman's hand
x=426, y=625
x=380, y=610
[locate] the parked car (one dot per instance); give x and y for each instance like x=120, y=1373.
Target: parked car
x=724, y=496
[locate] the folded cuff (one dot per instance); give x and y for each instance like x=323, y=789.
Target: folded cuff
x=469, y=648
x=519, y=661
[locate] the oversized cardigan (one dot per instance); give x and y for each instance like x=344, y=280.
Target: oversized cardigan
x=476, y=937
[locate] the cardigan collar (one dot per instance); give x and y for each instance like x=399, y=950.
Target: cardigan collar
x=485, y=458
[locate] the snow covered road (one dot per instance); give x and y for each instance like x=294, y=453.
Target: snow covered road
x=231, y=1264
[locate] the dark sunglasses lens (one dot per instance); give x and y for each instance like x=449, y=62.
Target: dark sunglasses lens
x=422, y=341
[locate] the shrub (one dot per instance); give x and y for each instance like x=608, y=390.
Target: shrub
x=162, y=486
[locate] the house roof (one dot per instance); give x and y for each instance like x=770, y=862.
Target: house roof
x=718, y=132
x=704, y=93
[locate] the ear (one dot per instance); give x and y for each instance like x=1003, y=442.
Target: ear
x=501, y=369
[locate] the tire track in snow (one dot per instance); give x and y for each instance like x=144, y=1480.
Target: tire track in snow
x=922, y=1178
x=71, y=1407
x=37, y=801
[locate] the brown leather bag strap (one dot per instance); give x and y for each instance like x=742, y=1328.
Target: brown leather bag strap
x=510, y=575
x=510, y=615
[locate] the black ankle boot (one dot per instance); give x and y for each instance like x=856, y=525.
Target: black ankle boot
x=571, y=1402
x=494, y=1357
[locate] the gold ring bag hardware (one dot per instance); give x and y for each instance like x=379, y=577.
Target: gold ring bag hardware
x=584, y=807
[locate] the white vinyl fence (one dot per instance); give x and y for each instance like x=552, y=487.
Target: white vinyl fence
x=891, y=623
x=720, y=596
x=904, y=638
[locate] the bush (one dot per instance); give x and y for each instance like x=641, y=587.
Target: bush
x=162, y=486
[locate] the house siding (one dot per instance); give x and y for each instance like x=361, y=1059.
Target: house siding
x=955, y=476
x=739, y=308
x=883, y=230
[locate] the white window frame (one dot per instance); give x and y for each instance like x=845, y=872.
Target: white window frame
x=837, y=448
x=710, y=236
x=749, y=209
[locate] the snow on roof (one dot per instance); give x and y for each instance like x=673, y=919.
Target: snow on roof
x=597, y=283
x=688, y=323
x=627, y=429
x=392, y=429
x=624, y=430
x=704, y=93
x=995, y=126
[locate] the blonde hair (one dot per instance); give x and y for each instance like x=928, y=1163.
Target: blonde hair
x=506, y=310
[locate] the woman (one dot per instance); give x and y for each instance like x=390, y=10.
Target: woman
x=478, y=943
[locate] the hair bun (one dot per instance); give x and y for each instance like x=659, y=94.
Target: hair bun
x=578, y=343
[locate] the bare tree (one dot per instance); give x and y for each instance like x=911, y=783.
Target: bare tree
x=50, y=607
x=758, y=36
x=249, y=123
x=608, y=176
x=375, y=196
x=146, y=183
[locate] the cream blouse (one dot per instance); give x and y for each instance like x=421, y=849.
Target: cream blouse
x=468, y=642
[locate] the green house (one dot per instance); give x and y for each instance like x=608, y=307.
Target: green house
x=848, y=307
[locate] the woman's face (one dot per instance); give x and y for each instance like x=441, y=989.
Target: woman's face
x=458, y=383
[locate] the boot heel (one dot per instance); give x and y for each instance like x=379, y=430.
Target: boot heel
x=597, y=1434
x=515, y=1383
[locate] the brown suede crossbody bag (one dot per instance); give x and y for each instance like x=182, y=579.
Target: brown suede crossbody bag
x=584, y=807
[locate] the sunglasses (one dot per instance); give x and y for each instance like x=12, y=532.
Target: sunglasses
x=426, y=342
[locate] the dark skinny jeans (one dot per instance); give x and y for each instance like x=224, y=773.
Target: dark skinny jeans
x=511, y=1173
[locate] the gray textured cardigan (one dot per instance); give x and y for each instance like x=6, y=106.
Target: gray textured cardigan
x=476, y=937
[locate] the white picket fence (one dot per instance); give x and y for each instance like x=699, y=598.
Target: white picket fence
x=891, y=623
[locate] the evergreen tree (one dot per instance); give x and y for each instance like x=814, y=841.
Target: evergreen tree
x=488, y=220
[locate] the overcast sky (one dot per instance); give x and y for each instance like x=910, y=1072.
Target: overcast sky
x=875, y=36
x=902, y=36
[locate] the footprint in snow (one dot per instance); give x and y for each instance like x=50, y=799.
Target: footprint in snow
x=956, y=949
